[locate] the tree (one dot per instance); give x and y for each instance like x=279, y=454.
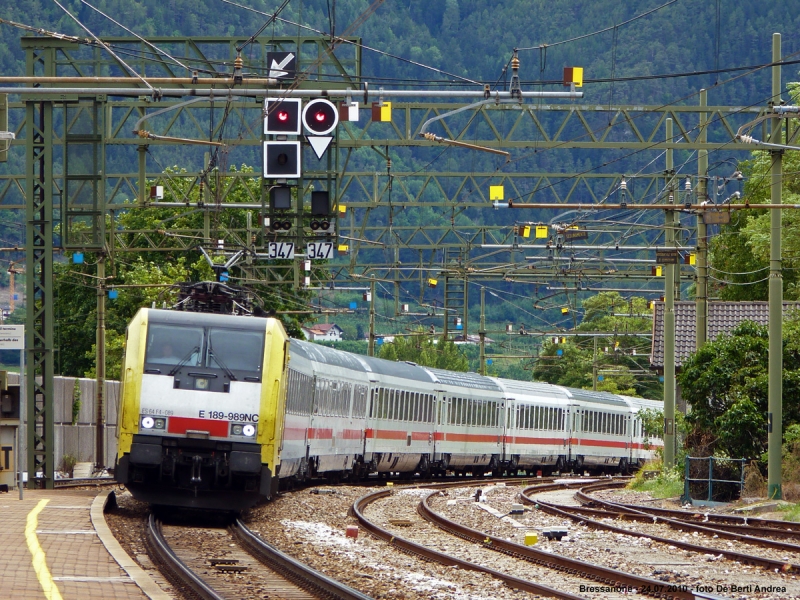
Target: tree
x=148, y=277
x=426, y=351
x=726, y=383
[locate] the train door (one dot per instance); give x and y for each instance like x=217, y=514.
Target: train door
x=509, y=428
x=573, y=432
x=439, y=424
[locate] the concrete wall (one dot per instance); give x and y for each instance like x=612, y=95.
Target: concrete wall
x=79, y=440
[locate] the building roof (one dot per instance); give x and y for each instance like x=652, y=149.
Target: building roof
x=722, y=318
x=322, y=328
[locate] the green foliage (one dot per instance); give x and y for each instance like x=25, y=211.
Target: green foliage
x=425, y=351
x=726, y=384
x=618, y=354
x=76, y=401
x=68, y=463
x=666, y=484
x=149, y=277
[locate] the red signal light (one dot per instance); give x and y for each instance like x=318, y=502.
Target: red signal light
x=320, y=116
x=283, y=115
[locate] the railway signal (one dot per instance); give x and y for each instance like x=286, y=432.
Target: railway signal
x=282, y=160
x=320, y=117
x=282, y=116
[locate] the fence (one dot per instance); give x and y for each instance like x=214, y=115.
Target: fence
x=700, y=487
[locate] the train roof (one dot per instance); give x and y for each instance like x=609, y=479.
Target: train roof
x=596, y=397
x=358, y=362
x=531, y=388
x=460, y=379
x=178, y=317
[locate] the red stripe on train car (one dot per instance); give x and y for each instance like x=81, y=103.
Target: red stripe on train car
x=472, y=437
x=603, y=443
x=535, y=440
x=351, y=434
x=438, y=436
x=212, y=426
x=369, y=433
x=388, y=434
x=420, y=436
x=320, y=433
x=294, y=433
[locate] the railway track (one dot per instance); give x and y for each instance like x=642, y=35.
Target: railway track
x=84, y=482
x=589, y=574
x=579, y=514
x=222, y=564
x=748, y=526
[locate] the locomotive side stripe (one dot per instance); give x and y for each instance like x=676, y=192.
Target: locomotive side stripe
x=214, y=427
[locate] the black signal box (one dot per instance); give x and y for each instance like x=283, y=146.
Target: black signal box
x=280, y=198
x=282, y=160
x=282, y=116
x=320, y=204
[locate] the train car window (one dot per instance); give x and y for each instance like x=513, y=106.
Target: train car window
x=417, y=407
x=392, y=414
x=170, y=345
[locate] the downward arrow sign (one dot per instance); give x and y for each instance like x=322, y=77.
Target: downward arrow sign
x=276, y=70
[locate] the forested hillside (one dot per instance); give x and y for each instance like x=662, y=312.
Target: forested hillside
x=474, y=38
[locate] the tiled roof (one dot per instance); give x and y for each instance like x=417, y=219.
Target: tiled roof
x=722, y=317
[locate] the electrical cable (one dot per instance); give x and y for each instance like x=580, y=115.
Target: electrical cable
x=109, y=50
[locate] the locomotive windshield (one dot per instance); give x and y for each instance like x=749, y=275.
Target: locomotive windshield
x=235, y=351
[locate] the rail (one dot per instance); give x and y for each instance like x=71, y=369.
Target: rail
x=294, y=570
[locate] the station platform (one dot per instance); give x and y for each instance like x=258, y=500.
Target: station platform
x=55, y=544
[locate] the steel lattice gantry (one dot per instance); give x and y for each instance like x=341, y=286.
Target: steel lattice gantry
x=82, y=163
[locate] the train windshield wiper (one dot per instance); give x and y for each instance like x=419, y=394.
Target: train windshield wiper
x=184, y=360
x=217, y=360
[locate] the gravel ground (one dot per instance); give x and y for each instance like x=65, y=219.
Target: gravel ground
x=403, y=505
x=641, y=556
x=311, y=527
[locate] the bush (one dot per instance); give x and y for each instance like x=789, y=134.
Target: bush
x=68, y=463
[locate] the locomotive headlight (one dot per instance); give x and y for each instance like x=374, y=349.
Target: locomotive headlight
x=237, y=429
x=249, y=430
x=148, y=422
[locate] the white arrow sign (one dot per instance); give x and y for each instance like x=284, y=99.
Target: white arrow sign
x=276, y=70
x=319, y=143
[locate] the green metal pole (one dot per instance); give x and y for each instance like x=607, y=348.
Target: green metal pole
x=594, y=366
x=775, y=373
x=669, y=318
x=701, y=294
x=371, y=351
x=482, y=333
x=100, y=358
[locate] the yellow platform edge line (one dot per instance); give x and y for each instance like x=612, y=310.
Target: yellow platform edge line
x=39, y=561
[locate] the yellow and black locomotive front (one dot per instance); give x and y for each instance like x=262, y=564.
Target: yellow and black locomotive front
x=202, y=405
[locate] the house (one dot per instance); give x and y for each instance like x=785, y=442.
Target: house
x=323, y=332
x=722, y=318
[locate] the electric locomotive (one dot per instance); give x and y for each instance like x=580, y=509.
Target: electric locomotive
x=202, y=404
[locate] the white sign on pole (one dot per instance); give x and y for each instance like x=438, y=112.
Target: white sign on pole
x=12, y=337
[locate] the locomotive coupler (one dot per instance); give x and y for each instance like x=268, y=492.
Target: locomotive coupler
x=197, y=462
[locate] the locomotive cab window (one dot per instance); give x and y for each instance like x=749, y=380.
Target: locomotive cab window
x=235, y=350
x=170, y=345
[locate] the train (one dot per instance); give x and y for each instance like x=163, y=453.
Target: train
x=220, y=411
